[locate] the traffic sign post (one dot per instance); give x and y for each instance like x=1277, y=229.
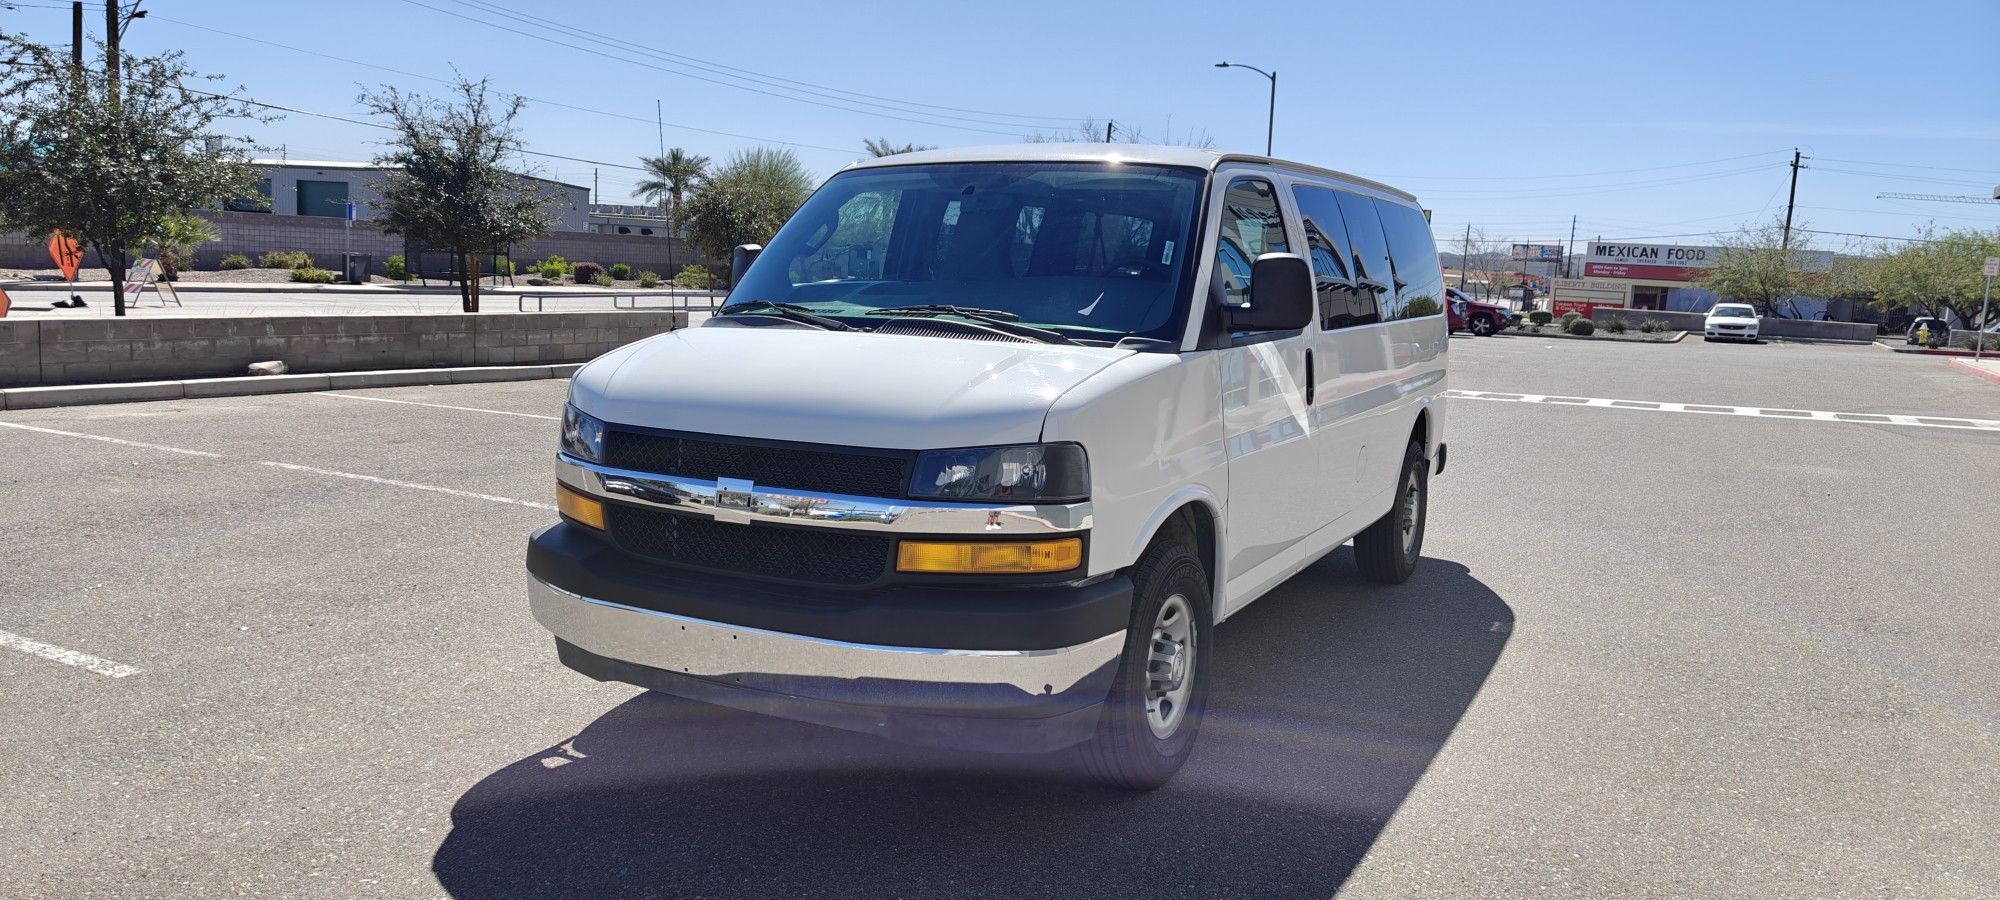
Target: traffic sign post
x=1985, y=301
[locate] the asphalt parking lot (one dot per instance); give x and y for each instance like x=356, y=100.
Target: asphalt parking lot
x=1655, y=650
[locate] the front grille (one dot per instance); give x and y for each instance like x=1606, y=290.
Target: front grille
x=817, y=555
x=805, y=468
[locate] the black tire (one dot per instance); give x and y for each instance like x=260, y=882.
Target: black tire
x=1482, y=326
x=1126, y=752
x=1381, y=550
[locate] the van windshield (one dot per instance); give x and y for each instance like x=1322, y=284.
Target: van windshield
x=1094, y=251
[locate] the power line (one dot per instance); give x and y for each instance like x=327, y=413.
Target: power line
x=1880, y=237
x=1918, y=178
x=535, y=100
x=1863, y=162
x=746, y=74
x=307, y=112
x=1528, y=194
x=1580, y=174
x=601, y=53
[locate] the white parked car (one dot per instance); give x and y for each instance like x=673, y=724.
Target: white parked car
x=986, y=443
x=1730, y=321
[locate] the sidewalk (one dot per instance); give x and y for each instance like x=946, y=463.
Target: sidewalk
x=90, y=289
x=1988, y=368
x=236, y=300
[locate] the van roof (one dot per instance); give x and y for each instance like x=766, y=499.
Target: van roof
x=1192, y=157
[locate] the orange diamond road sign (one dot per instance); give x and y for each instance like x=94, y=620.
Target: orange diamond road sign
x=63, y=249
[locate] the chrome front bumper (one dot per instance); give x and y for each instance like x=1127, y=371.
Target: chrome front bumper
x=1021, y=683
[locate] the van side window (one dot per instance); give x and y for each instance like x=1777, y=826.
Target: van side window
x=1251, y=226
x=1370, y=250
x=1419, y=281
x=1341, y=303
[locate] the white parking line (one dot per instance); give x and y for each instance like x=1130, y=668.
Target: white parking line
x=497, y=412
x=112, y=440
x=1797, y=415
x=408, y=484
x=32, y=647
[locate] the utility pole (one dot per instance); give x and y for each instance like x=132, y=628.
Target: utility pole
x=111, y=37
x=1569, y=248
x=660, y=123
x=1107, y=129
x=1465, y=256
x=593, y=186
x=76, y=35
x=1792, y=197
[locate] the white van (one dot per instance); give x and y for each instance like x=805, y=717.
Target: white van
x=986, y=442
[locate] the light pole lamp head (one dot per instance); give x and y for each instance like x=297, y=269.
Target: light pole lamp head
x=1222, y=65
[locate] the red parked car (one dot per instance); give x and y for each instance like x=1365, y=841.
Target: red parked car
x=1479, y=317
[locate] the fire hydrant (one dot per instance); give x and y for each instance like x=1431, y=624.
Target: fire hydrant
x=1924, y=335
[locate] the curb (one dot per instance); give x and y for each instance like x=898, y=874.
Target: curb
x=1940, y=351
x=1679, y=336
x=1988, y=372
x=193, y=388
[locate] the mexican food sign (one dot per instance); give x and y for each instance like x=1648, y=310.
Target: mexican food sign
x=1657, y=262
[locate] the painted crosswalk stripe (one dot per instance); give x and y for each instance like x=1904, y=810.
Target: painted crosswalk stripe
x=51, y=652
x=1796, y=415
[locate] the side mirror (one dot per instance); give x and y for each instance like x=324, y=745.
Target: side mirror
x=740, y=260
x=1281, y=295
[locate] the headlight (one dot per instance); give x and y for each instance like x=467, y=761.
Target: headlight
x=582, y=435
x=1029, y=473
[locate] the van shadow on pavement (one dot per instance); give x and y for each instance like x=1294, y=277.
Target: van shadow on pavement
x=1331, y=697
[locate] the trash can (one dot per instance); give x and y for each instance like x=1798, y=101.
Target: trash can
x=355, y=266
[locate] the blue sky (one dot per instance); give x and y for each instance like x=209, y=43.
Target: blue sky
x=1642, y=119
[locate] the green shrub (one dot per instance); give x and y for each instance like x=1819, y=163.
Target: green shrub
x=586, y=272
x=1654, y=326
x=1571, y=316
x=397, y=268
x=1616, y=325
x=693, y=276
x=310, y=275
x=602, y=280
x=285, y=259
x=649, y=279
x=1539, y=317
x=234, y=261
x=621, y=271
x=553, y=268
x=1578, y=325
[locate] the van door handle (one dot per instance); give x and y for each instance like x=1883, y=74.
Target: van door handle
x=1309, y=377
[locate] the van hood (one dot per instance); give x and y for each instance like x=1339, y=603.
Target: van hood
x=859, y=389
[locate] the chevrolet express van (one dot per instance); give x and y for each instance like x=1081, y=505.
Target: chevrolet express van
x=986, y=443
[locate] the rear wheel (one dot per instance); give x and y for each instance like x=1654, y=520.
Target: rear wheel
x=1156, y=703
x=1387, y=551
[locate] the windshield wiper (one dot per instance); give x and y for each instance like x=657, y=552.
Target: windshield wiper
x=969, y=311
x=996, y=319
x=790, y=311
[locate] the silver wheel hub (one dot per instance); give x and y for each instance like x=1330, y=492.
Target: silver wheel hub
x=1409, y=512
x=1170, y=666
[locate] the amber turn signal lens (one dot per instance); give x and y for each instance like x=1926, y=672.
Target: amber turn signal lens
x=989, y=557
x=578, y=508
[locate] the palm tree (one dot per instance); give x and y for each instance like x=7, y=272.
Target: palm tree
x=669, y=178
x=177, y=236
x=882, y=147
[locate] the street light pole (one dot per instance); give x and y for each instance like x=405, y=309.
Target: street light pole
x=1271, y=118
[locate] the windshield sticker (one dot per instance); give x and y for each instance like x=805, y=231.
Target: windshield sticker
x=1167, y=255
x=1093, y=305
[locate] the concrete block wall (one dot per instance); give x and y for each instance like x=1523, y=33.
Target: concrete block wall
x=84, y=351
x=1810, y=329
x=254, y=234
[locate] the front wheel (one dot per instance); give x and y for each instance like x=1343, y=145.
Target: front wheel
x=1483, y=326
x=1156, y=703
x=1387, y=551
